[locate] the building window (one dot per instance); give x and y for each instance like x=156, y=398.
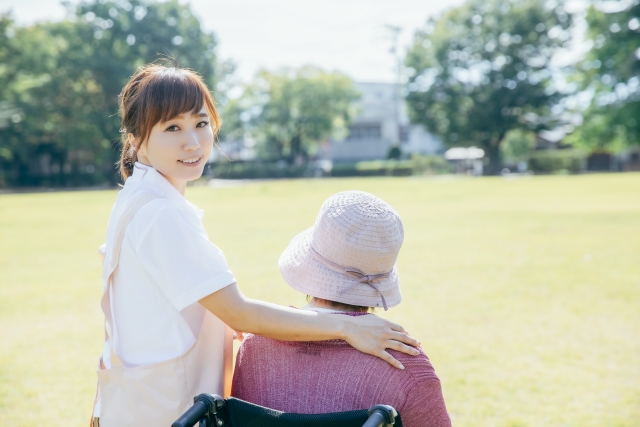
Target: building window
x=364, y=131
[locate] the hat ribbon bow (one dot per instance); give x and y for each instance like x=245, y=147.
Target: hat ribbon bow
x=355, y=273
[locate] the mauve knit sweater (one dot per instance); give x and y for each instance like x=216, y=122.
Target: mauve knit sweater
x=332, y=376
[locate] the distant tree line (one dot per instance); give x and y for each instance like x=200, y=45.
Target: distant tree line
x=60, y=83
x=611, y=74
x=488, y=73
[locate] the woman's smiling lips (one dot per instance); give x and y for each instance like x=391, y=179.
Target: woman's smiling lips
x=193, y=161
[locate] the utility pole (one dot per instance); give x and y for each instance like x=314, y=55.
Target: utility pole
x=394, y=32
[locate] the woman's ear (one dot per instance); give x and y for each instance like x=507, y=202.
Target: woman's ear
x=135, y=144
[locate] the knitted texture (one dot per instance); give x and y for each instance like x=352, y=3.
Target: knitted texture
x=332, y=376
x=356, y=230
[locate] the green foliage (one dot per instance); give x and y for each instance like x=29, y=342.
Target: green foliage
x=609, y=130
x=482, y=70
x=291, y=112
x=611, y=71
x=257, y=170
x=558, y=161
x=281, y=169
x=431, y=165
x=394, y=153
x=61, y=81
x=518, y=145
x=374, y=168
x=417, y=165
x=384, y=167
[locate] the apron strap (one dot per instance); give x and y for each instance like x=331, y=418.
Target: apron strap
x=109, y=325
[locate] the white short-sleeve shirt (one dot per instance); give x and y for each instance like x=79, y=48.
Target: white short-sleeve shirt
x=167, y=264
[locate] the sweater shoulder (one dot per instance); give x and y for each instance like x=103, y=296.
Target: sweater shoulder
x=418, y=367
x=336, y=372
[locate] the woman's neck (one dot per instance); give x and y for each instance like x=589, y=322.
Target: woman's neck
x=320, y=303
x=180, y=185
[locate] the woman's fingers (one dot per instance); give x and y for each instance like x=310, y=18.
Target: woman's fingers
x=403, y=348
x=374, y=335
x=390, y=359
x=405, y=338
x=395, y=327
x=401, y=337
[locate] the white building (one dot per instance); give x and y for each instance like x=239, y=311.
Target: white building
x=381, y=123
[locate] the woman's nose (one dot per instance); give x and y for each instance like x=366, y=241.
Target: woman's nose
x=192, y=143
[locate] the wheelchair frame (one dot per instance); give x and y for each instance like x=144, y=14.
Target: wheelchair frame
x=210, y=410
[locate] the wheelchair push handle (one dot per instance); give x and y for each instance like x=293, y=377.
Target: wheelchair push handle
x=209, y=411
x=381, y=416
x=204, y=407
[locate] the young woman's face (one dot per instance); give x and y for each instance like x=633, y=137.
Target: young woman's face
x=179, y=148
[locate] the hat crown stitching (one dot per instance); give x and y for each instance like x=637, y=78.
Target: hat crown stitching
x=360, y=230
x=356, y=230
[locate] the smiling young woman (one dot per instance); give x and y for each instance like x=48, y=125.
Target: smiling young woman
x=169, y=120
x=167, y=290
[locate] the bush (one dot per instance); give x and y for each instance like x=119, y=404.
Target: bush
x=374, y=168
x=256, y=170
x=558, y=161
x=431, y=165
x=394, y=153
x=418, y=165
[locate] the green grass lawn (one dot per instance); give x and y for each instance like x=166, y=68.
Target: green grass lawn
x=525, y=293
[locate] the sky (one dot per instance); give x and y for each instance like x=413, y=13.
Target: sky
x=344, y=35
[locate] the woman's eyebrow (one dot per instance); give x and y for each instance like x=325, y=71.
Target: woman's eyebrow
x=202, y=114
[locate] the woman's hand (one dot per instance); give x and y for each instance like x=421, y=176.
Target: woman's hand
x=374, y=335
x=369, y=334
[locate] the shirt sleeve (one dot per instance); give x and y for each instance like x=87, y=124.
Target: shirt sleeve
x=425, y=406
x=178, y=255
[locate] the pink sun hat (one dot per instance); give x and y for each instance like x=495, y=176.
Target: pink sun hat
x=350, y=254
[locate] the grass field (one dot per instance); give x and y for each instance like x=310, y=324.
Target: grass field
x=525, y=293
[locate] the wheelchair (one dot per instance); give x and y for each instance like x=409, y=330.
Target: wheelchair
x=210, y=410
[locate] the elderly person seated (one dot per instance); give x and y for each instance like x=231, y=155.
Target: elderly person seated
x=345, y=264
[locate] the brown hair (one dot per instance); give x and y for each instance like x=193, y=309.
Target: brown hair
x=157, y=93
x=339, y=305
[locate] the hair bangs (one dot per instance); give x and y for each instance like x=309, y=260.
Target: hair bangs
x=174, y=93
x=170, y=93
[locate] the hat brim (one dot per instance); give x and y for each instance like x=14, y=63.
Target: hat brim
x=304, y=273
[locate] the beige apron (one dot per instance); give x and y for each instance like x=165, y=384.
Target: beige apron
x=157, y=394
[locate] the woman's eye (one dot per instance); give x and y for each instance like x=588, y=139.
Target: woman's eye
x=173, y=128
x=202, y=124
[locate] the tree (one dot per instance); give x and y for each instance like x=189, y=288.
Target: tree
x=518, y=145
x=62, y=79
x=291, y=112
x=611, y=71
x=483, y=69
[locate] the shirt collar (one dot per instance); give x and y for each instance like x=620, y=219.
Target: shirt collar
x=148, y=175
